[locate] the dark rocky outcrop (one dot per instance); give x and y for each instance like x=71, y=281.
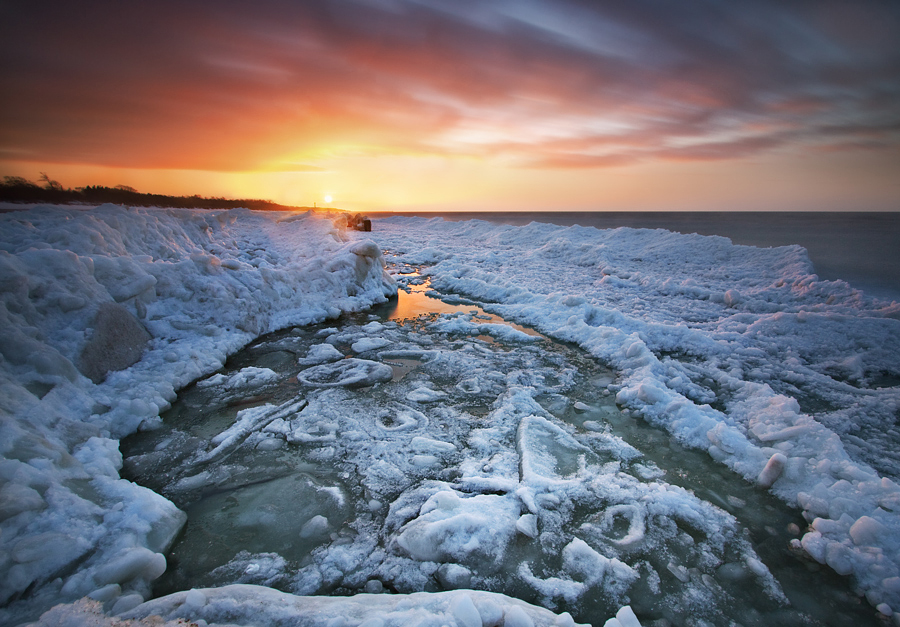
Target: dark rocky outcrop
x=118, y=341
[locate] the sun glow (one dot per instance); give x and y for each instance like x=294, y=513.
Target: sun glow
x=328, y=199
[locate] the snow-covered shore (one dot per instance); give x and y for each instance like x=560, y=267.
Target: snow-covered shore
x=204, y=284
x=742, y=352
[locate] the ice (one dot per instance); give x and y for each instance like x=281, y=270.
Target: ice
x=425, y=395
x=739, y=351
x=527, y=524
x=491, y=459
x=320, y=354
x=547, y=452
x=369, y=344
x=452, y=528
x=347, y=372
x=461, y=498
x=138, y=562
x=624, y=618
x=867, y=531
x=243, y=604
x=146, y=301
x=465, y=612
x=772, y=471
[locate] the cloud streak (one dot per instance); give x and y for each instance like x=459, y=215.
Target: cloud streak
x=231, y=86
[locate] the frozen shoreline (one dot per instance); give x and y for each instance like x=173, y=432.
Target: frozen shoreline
x=714, y=342
x=204, y=283
x=693, y=321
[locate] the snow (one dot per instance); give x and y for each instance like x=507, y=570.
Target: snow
x=471, y=480
x=243, y=604
x=347, y=373
x=442, y=486
x=200, y=284
x=786, y=379
x=320, y=354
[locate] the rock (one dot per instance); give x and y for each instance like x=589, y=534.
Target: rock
x=118, y=341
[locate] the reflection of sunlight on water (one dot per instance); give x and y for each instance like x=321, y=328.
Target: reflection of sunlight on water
x=422, y=300
x=417, y=302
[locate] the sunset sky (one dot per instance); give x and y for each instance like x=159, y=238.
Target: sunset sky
x=461, y=104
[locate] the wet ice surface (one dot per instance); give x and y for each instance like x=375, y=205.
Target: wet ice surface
x=429, y=446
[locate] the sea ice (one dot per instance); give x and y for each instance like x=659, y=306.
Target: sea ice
x=743, y=352
x=347, y=372
x=785, y=379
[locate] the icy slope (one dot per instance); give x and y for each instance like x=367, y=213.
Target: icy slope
x=788, y=380
x=84, y=289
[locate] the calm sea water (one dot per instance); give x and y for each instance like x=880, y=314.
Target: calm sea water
x=860, y=248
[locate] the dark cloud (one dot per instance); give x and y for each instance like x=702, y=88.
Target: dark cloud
x=232, y=85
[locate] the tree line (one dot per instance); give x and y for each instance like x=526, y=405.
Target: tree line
x=20, y=190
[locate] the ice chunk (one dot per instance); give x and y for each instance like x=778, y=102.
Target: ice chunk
x=315, y=526
x=633, y=513
x=106, y=593
x=866, y=531
x=547, y=451
x=527, y=524
x=427, y=445
x=624, y=618
x=369, y=344
x=425, y=395
x=194, y=599
x=680, y=572
x=126, y=603
x=250, y=376
x=515, y=616
x=454, y=576
x=134, y=563
x=582, y=560
x=772, y=471
x=465, y=612
x=16, y=498
x=452, y=528
x=320, y=354
x=348, y=373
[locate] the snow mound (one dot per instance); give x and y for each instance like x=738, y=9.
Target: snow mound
x=144, y=301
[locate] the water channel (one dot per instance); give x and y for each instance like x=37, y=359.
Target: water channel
x=429, y=445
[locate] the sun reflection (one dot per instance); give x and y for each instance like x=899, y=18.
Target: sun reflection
x=422, y=300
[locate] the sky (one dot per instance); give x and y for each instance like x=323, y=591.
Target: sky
x=461, y=104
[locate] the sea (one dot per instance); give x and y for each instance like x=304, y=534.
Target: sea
x=862, y=249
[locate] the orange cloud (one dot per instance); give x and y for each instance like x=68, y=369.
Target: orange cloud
x=304, y=87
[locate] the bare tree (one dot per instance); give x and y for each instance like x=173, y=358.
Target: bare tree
x=50, y=183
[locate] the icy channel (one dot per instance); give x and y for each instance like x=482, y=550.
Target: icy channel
x=429, y=446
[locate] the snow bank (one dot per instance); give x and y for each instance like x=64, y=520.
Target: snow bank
x=104, y=313
x=789, y=380
x=243, y=604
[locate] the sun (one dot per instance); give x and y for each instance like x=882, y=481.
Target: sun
x=328, y=199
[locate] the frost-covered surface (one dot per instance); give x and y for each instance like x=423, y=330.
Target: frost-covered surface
x=788, y=380
x=242, y=604
x=204, y=284
x=470, y=465
x=448, y=454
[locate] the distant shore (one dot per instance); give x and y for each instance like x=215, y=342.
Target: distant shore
x=19, y=190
